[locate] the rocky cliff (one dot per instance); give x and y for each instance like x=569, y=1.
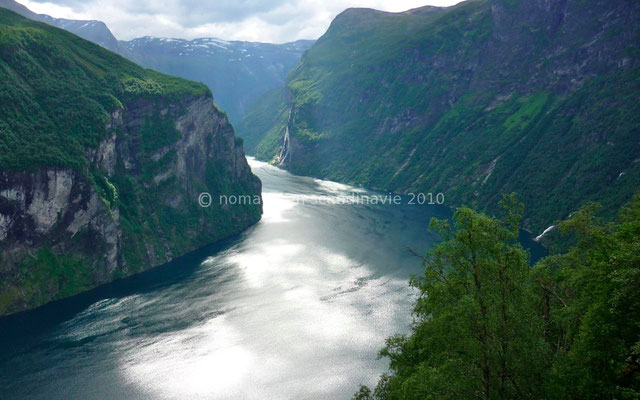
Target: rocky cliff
x=110, y=186
x=538, y=97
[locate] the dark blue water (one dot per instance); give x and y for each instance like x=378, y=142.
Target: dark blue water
x=297, y=307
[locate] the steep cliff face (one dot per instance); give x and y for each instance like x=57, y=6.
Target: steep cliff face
x=62, y=231
x=110, y=186
x=537, y=97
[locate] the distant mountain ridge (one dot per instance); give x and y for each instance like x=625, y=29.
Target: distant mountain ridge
x=237, y=72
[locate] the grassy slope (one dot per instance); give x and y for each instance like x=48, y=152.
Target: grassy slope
x=379, y=87
x=57, y=89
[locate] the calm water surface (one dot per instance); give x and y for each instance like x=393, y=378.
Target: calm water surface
x=296, y=307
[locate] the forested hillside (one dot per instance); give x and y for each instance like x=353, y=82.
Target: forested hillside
x=483, y=98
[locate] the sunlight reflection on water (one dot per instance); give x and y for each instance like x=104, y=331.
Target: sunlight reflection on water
x=297, y=308
x=302, y=308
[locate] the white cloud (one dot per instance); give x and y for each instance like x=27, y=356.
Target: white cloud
x=274, y=21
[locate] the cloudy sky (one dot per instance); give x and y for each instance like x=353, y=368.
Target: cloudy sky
x=275, y=21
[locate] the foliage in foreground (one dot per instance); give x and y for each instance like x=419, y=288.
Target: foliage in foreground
x=488, y=326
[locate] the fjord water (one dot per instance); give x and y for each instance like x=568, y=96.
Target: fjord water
x=296, y=307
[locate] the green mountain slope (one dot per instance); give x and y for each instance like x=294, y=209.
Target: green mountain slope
x=57, y=92
x=237, y=72
x=485, y=97
x=101, y=166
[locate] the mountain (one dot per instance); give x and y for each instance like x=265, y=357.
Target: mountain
x=538, y=97
x=95, y=31
x=237, y=72
x=102, y=164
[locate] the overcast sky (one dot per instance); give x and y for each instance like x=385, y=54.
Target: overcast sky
x=275, y=21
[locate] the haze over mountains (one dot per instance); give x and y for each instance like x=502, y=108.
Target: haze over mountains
x=236, y=71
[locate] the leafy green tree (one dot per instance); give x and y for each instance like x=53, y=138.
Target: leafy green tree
x=590, y=299
x=488, y=326
x=363, y=393
x=476, y=333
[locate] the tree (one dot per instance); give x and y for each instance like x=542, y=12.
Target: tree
x=489, y=327
x=592, y=307
x=476, y=333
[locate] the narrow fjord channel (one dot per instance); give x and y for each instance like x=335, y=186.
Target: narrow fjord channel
x=294, y=308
